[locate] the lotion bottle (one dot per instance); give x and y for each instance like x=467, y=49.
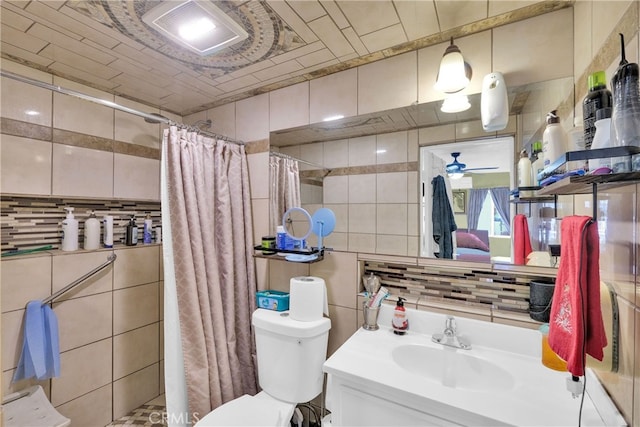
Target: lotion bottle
x=148, y=229
x=92, y=232
x=602, y=138
x=108, y=231
x=399, y=322
x=554, y=140
x=525, y=175
x=131, y=235
x=69, y=232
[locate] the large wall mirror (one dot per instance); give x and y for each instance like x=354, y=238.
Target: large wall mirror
x=370, y=170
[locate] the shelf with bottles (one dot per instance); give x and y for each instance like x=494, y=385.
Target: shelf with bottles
x=564, y=163
x=585, y=184
x=305, y=255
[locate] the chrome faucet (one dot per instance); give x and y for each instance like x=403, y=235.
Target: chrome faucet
x=450, y=336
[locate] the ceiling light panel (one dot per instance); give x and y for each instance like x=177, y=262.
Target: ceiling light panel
x=198, y=25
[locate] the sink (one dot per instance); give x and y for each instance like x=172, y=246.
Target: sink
x=452, y=368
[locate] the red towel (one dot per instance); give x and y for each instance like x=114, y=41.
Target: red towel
x=521, y=240
x=575, y=326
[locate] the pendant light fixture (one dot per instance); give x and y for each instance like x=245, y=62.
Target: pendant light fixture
x=455, y=103
x=454, y=74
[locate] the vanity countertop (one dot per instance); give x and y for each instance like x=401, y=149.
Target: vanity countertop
x=527, y=394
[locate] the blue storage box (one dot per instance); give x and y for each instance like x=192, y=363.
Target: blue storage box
x=273, y=300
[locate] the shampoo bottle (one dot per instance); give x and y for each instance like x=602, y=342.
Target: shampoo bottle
x=281, y=238
x=399, y=322
x=148, y=229
x=602, y=138
x=69, y=232
x=524, y=174
x=107, y=221
x=131, y=234
x=554, y=140
x=598, y=97
x=92, y=232
x=538, y=164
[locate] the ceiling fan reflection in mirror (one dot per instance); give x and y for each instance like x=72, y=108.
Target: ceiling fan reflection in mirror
x=457, y=169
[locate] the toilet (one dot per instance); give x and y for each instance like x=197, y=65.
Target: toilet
x=30, y=407
x=290, y=355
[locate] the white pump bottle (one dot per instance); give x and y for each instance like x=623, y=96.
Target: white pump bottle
x=69, y=232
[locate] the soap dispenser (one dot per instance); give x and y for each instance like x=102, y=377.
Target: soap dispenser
x=69, y=232
x=399, y=322
x=131, y=235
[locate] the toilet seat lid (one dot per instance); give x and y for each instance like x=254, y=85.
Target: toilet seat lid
x=249, y=411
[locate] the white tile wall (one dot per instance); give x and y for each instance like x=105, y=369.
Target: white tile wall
x=289, y=107
x=362, y=188
x=362, y=151
x=71, y=113
x=252, y=118
x=25, y=102
x=84, y=172
x=391, y=83
x=333, y=95
x=136, y=177
x=25, y=166
x=133, y=129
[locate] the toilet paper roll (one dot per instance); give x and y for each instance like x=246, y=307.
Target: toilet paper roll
x=307, y=298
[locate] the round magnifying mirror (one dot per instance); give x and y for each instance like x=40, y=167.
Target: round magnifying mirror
x=297, y=223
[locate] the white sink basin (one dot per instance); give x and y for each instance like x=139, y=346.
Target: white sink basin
x=452, y=368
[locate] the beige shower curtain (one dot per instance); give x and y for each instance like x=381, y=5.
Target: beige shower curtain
x=209, y=208
x=284, y=177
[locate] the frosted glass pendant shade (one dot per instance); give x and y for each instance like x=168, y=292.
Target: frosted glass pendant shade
x=452, y=75
x=455, y=104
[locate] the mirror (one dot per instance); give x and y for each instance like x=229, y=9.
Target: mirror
x=377, y=200
x=480, y=197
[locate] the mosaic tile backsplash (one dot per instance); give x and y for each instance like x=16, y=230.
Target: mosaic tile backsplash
x=503, y=290
x=31, y=222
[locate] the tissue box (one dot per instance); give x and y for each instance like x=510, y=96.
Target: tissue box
x=273, y=300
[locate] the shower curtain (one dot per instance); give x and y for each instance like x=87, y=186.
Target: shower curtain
x=209, y=274
x=284, y=177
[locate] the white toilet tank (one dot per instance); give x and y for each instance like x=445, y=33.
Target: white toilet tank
x=290, y=355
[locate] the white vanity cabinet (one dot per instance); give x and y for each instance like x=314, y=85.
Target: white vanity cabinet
x=377, y=378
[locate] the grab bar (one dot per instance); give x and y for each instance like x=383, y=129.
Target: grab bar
x=110, y=259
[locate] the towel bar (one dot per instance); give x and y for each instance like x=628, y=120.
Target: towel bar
x=110, y=259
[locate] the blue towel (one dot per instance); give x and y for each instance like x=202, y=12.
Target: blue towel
x=40, y=357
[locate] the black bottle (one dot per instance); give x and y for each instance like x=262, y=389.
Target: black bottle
x=598, y=97
x=131, y=235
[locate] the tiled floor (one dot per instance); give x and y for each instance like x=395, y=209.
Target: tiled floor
x=150, y=414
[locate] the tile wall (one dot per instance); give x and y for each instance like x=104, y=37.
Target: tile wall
x=61, y=151
x=582, y=36
x=110, y=329
x=597, y=47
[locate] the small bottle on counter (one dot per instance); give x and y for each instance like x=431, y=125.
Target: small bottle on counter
x=281, y=238
x=131, y=234
x=399, y=322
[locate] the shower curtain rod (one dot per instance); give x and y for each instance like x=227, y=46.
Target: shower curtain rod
x=148, y=117
x=286, y=156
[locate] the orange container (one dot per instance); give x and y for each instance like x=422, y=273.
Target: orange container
x=549, y=358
